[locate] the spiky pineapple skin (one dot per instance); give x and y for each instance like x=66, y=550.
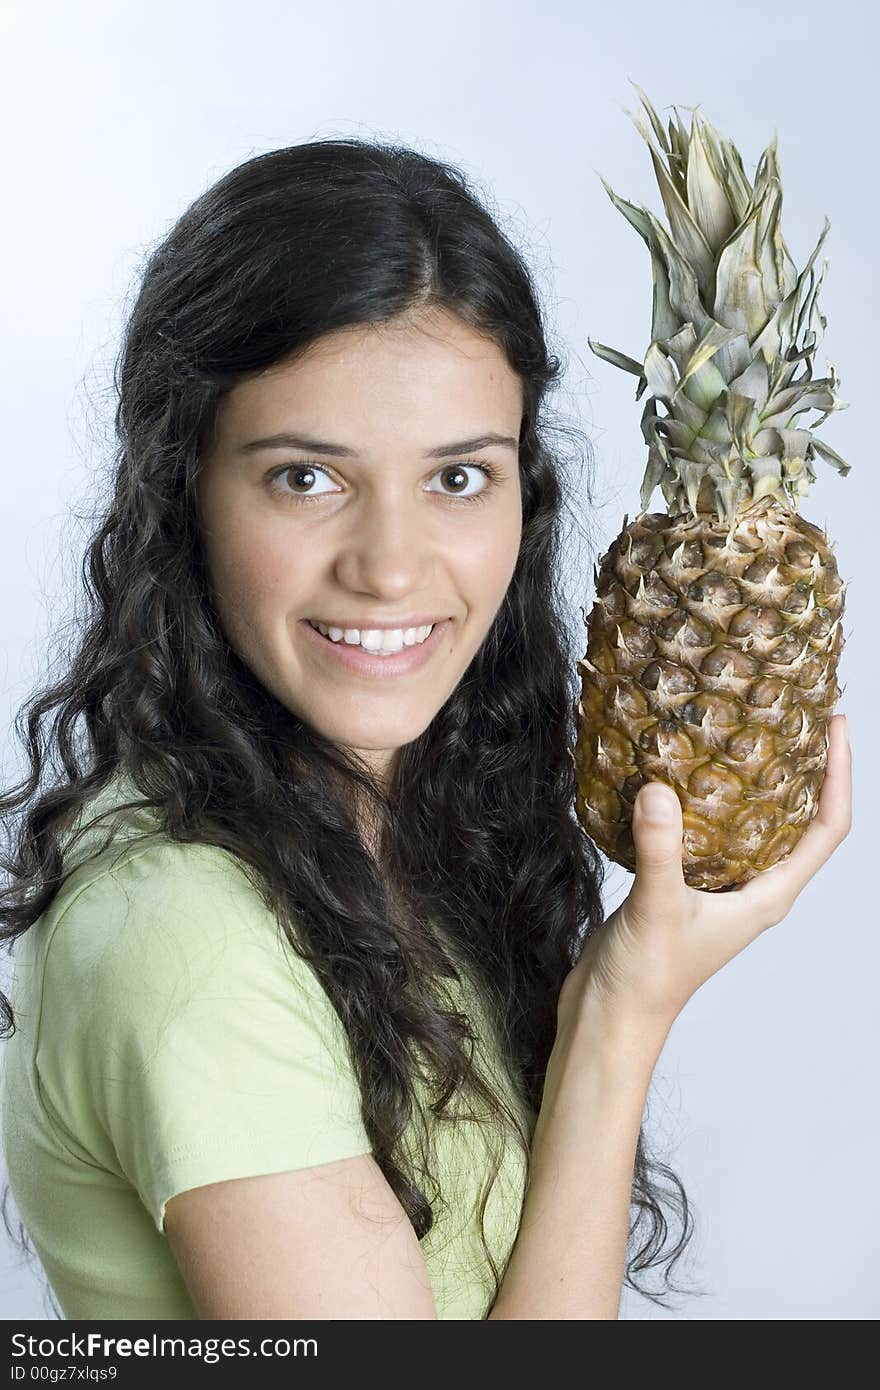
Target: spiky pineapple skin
x=711, y=665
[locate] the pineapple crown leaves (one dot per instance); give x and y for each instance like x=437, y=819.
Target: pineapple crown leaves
x=732, y=319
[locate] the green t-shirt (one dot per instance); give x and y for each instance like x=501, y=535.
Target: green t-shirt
x=168, y=1036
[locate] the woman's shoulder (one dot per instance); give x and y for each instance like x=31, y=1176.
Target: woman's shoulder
x=114, y=839
x=141, y=894
x=172, y=1016
x=166, y=941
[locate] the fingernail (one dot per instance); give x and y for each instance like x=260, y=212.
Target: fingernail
x=656, y=805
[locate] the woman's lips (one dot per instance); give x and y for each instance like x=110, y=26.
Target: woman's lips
x=362, y=663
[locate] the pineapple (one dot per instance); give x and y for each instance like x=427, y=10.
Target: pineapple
x=714, y=640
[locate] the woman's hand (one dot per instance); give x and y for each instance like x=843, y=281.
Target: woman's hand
x=666, y=939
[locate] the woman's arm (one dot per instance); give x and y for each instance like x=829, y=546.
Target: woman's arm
x=330, y=1241
x=568, y=1258
x=615, y=1010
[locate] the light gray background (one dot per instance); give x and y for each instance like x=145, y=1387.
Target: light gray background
x=765, y=1095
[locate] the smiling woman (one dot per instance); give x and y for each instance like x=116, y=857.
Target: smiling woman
x=282, y=1034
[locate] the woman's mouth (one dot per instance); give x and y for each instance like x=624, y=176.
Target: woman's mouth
x=356, y=659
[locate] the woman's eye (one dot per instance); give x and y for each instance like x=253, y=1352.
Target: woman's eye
x=296, y=471
x=459, y=471
x=302, y=473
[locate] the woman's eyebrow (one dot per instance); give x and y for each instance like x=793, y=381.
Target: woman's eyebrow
x=288, y=440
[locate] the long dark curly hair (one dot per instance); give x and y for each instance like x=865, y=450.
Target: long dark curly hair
x=478, y=835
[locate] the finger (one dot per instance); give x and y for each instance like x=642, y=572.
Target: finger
x=657, y=834
x=772, y=892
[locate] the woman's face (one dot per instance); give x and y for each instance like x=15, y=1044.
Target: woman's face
x=383, y=534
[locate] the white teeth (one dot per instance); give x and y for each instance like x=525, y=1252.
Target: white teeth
x=380, y=641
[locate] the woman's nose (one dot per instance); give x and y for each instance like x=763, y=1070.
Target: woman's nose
x=387, y=546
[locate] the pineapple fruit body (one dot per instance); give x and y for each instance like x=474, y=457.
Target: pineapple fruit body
x=711, y=665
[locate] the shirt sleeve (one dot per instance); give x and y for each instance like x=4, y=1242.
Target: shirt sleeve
x=208, y=1047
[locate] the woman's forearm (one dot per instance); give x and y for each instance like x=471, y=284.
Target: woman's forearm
x=569, y=1255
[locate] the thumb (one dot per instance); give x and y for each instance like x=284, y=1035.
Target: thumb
x=657, y=830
